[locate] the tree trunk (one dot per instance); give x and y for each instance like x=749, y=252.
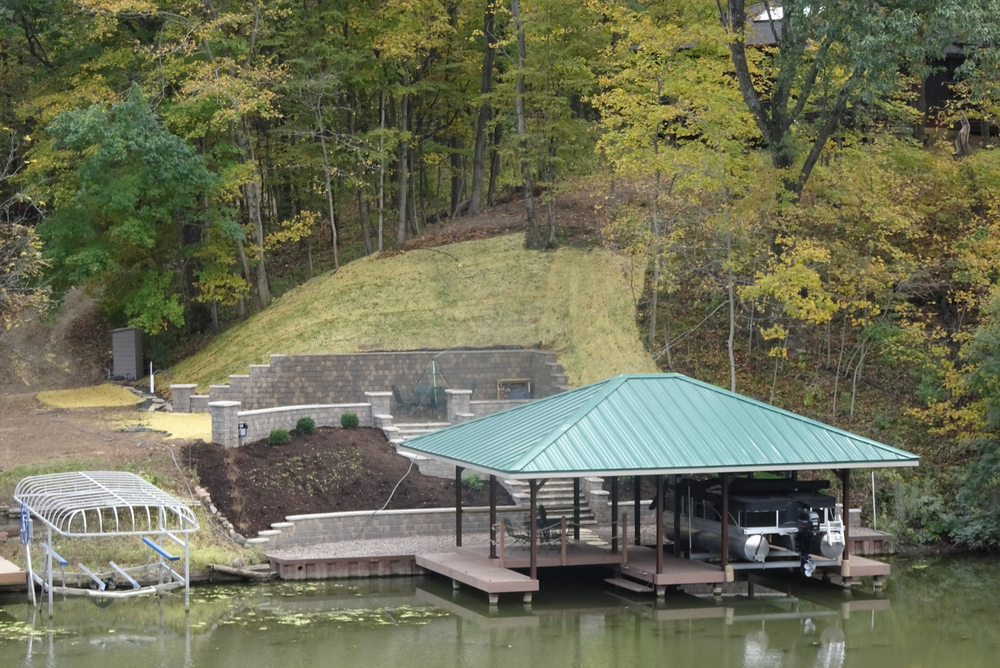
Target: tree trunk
x=732, y=319
x=456, y=177
x=655, y=292
x=359, y=189
x=318, y=110
x=402, y=176
x=251, y=194
x=485, y=110
x=532, y=238
x=381, y=173
x=491, y=193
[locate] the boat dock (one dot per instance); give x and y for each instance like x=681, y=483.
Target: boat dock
x=11, y=574
x=480, y=573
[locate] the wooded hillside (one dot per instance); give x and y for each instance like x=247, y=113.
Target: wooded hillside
x=812, y=191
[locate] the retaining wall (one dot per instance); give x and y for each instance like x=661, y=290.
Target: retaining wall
x=336, y=527
x=295, y=380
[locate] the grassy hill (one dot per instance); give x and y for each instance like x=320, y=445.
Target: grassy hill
x=578, y=302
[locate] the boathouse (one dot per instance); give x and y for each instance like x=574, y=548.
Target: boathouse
x=637, y=425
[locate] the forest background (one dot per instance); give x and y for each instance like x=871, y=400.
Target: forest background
x=812, y=232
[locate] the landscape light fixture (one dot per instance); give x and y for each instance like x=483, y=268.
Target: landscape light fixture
x=241, y=429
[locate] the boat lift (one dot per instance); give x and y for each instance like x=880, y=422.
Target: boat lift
x=102, y=504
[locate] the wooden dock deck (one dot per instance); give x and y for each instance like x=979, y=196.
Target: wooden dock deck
x=479, y=573
x=11, y=574
x=642, y=566
x=577, y=553
x=861, y=567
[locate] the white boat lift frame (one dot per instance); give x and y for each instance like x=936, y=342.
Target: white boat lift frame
x=101, y=504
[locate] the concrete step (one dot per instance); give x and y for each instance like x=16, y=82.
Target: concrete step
x=432, y=426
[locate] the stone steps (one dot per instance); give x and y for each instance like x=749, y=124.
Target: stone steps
x=555, y=495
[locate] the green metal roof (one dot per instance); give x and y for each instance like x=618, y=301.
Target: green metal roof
x=643, y=424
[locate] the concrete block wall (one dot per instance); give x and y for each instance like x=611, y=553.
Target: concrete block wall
x=481, y=408
x=291, y=380
x=181, y=396
x=225, y=422
x=199, y=403
x=227, y=416
x=336, y=527
x=599, y=501
x=261, y=422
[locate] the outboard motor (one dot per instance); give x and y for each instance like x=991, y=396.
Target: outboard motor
x=807, y=527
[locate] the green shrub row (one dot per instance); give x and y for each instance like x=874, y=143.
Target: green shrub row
x=307, y=426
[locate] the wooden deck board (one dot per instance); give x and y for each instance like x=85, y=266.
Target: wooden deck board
x=642, y=566
x=577, y=554
x=476, y=572
x=863, y=567
x=630, y=585
x=11, y=574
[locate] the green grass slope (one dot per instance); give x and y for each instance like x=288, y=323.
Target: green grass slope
x=577, y=302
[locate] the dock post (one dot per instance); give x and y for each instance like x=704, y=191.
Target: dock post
x=527, y=598
x=637, y=501
x=458, y=505
x=659, y=525
x=661, y=591
x=454, y=584
x=493, y=516
x=614, y=515
x=494, y=599
x=576, y=509
x=678, y=499
x=724, y=548
x=624, y=538
x=500, y=539
x=533, y=532
x=562, y=541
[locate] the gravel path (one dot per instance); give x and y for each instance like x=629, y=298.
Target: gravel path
x=372, y=547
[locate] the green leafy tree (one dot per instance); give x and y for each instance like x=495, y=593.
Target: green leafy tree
x=137, y=189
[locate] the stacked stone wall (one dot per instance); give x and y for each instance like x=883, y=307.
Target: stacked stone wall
x=292, y=380
x=261, y=422
x=336, y=527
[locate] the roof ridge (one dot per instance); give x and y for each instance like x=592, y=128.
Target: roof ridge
x=609, y=385
x=787, y=413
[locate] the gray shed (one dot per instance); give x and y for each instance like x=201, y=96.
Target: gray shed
x=126, y=346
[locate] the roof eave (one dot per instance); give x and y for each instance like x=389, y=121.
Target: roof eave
x=534, y=475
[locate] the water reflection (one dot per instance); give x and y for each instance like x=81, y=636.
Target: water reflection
x=422, y=622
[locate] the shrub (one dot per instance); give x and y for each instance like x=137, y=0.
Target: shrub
x=472, y=482
x=305, y=426
x=279, y=437
x=349, y=420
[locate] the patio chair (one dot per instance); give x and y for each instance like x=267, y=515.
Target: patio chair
x=519, y=539
x=400, y=401
x=548, y=529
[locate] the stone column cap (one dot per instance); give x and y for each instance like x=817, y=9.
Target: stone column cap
x=224, y=404
x=451, y=391
x=184, y=386
x=378, y=394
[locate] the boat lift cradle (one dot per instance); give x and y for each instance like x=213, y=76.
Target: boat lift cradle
x=102, y=504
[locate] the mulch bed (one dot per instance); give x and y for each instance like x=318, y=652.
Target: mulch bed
x=332, y=470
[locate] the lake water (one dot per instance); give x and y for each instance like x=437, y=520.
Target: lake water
x=933, y=612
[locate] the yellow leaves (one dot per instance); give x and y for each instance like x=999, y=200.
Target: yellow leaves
x=292, y=230
x=774, y=334
x=117, y=6
x=794, y=281
x=222, y=287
